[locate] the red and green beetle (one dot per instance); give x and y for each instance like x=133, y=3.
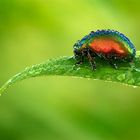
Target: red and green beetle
x=109, y=45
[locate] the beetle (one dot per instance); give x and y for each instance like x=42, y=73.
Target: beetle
x=109, y=45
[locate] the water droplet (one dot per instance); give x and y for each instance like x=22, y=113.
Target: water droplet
x=121, y=77
x=87, y=76
x=131, y=81
x=10, y=80
x=78, y=68
x=31, y=72
x=134, y=86
x=137, y=70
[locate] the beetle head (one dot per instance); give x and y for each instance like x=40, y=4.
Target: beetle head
x=77, y=49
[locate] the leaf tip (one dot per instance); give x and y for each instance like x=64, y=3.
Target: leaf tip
x=1, y=90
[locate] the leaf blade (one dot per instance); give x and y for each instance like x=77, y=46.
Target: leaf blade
x=65, y=66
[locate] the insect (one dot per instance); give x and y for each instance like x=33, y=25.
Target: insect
x=109, y=45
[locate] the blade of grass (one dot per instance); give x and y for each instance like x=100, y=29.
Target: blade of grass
x=65, y=66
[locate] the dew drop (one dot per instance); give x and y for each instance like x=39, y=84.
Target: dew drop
x=31, y=72
x=121, y=77
x=131, y=81
x=78, y=68
x=10, y=81
x=137, y=70
x=134, y=86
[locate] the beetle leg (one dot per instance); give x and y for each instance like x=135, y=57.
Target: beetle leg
x=114, y=65
x=111, y=59
x=111, y=62
x=132, y=65
x=80, y=61
x=91, y=60
x=78, y=57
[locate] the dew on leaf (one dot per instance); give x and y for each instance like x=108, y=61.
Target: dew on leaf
x=121, y=77
x=66, y=66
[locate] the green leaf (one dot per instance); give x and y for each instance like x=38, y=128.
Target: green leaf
x=65, y=66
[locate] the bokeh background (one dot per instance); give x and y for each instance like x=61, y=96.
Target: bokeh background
x=64, y=108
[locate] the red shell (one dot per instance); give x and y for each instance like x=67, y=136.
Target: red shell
x=108, y=45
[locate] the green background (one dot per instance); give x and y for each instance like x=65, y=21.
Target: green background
x=64, y=108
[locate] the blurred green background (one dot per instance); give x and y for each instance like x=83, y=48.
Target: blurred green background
x=64, y=108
